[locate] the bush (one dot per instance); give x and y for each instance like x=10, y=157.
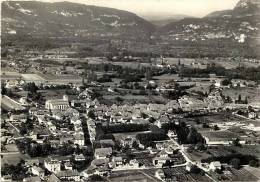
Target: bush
x=122, y=128
x=147, y=139
x=254, y=163
x=235, y=162
x=96, y=177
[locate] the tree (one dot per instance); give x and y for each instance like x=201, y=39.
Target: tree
x=236, y=142
x=96, y=177
x=119, y=99
x=226, y=82
x=194, y=169
x=91, y=114
x=215, y=127
x=239, y=98
x=235, y=162
x=135, y=145
x=246, y=101
x=200, y=146
x=3, y=89
x=30, y=87
x=254, y=163
x=193, y=136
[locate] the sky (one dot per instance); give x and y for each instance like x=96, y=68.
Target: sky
x=164, y=8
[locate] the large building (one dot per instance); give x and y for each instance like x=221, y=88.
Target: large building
x=57, y=104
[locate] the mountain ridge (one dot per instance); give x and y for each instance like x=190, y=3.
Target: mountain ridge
x=72, y=22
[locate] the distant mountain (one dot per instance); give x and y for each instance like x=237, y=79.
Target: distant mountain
x=161, y=23
x=162, y=20
x=223, y=14
x=239, y=25
x=65, y=19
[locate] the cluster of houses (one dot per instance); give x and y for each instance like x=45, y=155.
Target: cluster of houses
x=138, y=113
x=58, y=122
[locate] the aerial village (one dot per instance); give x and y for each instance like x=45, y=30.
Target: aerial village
x=108, y=119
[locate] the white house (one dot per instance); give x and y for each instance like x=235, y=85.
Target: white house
x=160, y=174
x=117, y=160
x=79, y=139
x=252, y=115
x=215, y=165
x=38, y=171
x=52, y=165
x=188, y=166
x=68, y=166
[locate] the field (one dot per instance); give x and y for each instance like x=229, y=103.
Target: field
x=9, y=104
x=220, y=117
x=132, y=176
x=180, y=174
x=253, y=94
x=228, y=64
x=254, y=171
x=7, y=75
x=219, y=151
x=32, y=78
x=246, y=150
x=13, y=159
x=231, y=174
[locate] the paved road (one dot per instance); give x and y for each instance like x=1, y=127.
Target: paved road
x=192, y=162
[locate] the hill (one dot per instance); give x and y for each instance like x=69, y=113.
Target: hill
x=65, y=19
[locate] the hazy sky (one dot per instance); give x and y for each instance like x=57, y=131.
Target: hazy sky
x=166, y=8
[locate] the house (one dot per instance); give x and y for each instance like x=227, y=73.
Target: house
x=100, y=162
x=102, y=171
x=59, y=104
x=118, y=161
x=79, y=139
x=127, y=142
x=89, y=171
x=220, y=137
x=38, y=171
x=68, y=166
x=6, y=178
x=172, y=134
x=18, y=117
x=188, y=166
x=252, y=115
x=68, y=175
x=103, y=153
x=12, y=83
x=160, y=174
x=161, y=158
x=52, y=165
x=32, y=162
x=80, y=157
x=152, y=151
x=133, y=163
x=107, y=143
x=215, y=165
x=24, y=101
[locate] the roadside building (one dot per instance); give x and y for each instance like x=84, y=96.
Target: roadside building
x=103, y=153
x=215, y=165
x=52, y=165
